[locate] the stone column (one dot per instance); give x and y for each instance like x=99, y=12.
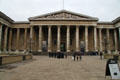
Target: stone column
x=86, y=38
x=5, y=39
x=115, y=37
x=68, y=39
x=95, y=38
x=100, y=38
x=49, y=38
x=10, y=40
x=40, y=38
x=77, y=39
x=31, y=38
x=108, y=40
x=25, y=39
x=17, y=40
x=1, y=26
x=119, y=36
x=58, y=39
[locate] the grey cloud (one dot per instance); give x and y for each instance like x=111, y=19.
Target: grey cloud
x=19, y=10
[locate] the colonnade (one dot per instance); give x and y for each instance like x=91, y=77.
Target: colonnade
x=8, y=40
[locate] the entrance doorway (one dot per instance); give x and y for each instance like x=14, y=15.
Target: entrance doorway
x=63, y=47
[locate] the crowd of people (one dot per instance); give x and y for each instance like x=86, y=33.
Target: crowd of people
x=60, y=55
x=75, y=55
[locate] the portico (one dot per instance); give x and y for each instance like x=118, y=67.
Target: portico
x=59, y=31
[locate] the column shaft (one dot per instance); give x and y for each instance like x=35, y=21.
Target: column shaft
x=18, y=36
x=10, y=40
x=77, y=38
x=40, y=38
x=25, y=38
x=100, y=38
x=58, y=39
x=119, y=37
x=95, y=38
x=5, y=38
x=108, y=41
x=1, y=26
x=31, y=38
x=49, y=38
x=115, y=37
x=68, y=39
x=86, y=38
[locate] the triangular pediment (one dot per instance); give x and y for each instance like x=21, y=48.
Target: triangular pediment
x=63, y=15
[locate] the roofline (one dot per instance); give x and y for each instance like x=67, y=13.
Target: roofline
x=116, y=20
x=62, y=11
x=63, y=20
x=4, y=16
x=21, y=22
x=104, y=22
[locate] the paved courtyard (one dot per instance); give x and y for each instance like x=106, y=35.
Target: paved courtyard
x=44, y=68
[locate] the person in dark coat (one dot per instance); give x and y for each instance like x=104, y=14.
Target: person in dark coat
x=74, y=55
x=101, y=54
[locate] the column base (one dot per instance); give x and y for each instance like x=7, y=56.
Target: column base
x=68, y=50
x=49, y=50
x=16, y=51
x=96, y=50
x=86, y=50
x=58, y=50
x=109, y=51
x=116, y=52
x=39, y=50
x=77, y=50
x=5, y=51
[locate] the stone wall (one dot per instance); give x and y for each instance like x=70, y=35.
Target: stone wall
x=13, y=58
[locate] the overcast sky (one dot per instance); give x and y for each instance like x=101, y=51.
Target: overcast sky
x=21, y=10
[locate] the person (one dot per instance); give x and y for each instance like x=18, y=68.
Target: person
x=80, y=56
x=65, y=54
x=74, y=55
x=101, y=54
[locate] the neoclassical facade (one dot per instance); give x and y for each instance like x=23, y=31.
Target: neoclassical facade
x=59, y=31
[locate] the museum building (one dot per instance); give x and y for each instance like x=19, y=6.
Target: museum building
x=58, y=31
